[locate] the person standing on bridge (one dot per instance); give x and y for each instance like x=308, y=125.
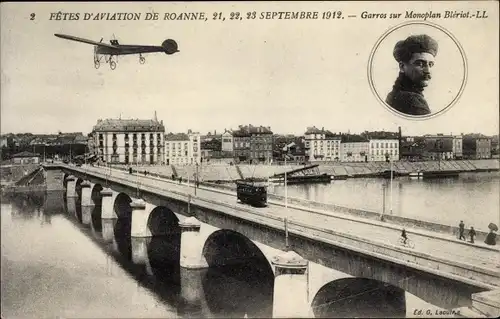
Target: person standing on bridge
x=491, y=238
x=461, y=229
x=403, y=235
x=472, y=233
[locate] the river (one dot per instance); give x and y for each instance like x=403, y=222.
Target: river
x=55, y=265
x=472, y=197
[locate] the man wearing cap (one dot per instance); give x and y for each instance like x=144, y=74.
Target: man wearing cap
x=415, y=56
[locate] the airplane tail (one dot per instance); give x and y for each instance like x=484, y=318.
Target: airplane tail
x=170, y=46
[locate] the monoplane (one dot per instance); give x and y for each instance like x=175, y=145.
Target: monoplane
x=114, y=49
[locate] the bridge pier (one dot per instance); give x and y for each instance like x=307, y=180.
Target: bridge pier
x=87, y=193
x=108, y=229
x=139, y=250
x=71, y=187
x=140, y=232
x=191, y=244
x=108, y=215
x=140, y=217
x=108, y=201
x=71, y=206
x=87, y=204
x=192, y=293
x=54, y=202
x=291, y=285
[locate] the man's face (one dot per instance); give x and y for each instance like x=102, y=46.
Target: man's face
x=418, y=69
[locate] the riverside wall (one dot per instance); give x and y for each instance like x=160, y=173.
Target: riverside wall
x=403, y=222
x=222, y=175
x=227, y=184
x=221, y=172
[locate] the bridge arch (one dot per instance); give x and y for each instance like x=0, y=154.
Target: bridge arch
x=78, y=187
x=122, y=228
x=96, y=194
x=359, y=297
x=65, y=181
x=96, y=215
x=121, y=206
x=230, y=254
x=162, y=221
x=164, y=245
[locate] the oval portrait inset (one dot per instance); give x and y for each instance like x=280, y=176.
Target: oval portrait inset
x=417, y=70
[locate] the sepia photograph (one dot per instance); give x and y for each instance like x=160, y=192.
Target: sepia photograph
x=281, y=159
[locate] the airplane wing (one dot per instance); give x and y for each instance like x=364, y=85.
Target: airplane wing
x=135, y=49
x=70, y=37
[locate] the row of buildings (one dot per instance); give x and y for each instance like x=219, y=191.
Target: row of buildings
x=131, y=141
x=57, y=146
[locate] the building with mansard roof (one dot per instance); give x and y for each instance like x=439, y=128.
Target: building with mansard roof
x=129, y=141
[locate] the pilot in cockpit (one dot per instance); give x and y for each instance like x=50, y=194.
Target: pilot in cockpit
x=114, y=42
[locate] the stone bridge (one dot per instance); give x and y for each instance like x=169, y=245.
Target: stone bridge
x=307, y=269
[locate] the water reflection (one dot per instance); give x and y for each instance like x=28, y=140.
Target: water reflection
x=26, y=205
x=238, y=290
x=78, y=208
x=152, y=262
x=139, y=276
x=96, y=221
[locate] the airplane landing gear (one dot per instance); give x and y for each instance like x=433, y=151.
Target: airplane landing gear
x=112, y=64
x=97, y=64
x=142, y=60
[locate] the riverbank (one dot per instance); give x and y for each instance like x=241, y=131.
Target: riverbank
x=224, y=173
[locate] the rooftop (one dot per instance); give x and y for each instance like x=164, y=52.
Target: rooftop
x=176, y=137
x=129, y=125
x=25, y=154
x=315, y=130
x=249, y=129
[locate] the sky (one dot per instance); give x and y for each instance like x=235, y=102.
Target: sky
x=286, y=74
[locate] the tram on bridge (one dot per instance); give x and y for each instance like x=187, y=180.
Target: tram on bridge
x=252, y=192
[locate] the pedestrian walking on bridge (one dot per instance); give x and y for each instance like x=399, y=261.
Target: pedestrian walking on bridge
x=472, y=234
x=461, y=229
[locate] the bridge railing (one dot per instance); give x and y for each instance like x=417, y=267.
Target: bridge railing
x=393, y=253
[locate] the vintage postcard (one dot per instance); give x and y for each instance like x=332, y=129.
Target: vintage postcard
x=291, y=159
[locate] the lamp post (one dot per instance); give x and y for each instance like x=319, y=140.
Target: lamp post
x=196, y=179
x=286, y=233
x=383, y=200
x=189, y=192
x=286, y=193
x=390, y=211
x=137, y=174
